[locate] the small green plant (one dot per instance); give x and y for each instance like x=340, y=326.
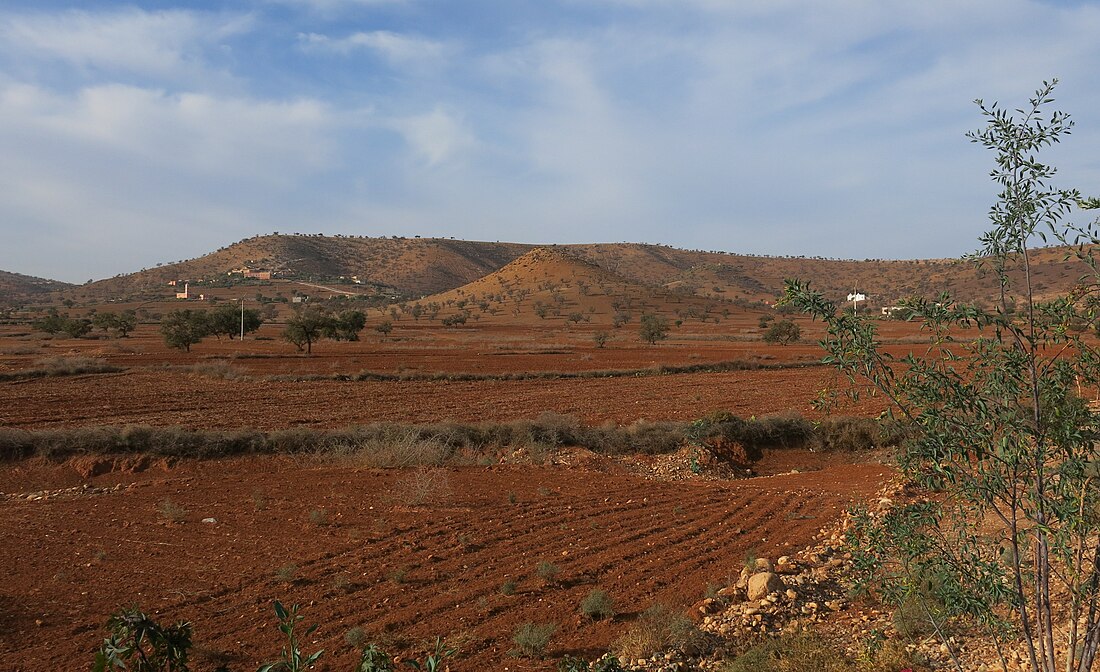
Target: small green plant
x=399, y=575
x=531, y=639
x=355, y=637
x=319, y=517
x=508, y=588
x=171, y=512
x=139, y=644
x=433, y=662
x=373, y=659
x=547, y=571
x=285, y=574
x=598, y=606
x=512, y=497
x=292, y=660
x=342, y=582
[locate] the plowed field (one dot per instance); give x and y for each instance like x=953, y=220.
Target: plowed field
x=164, y=398
x=380, y=551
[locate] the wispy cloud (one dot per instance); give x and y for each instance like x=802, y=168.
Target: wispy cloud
x=394, y=47
x=435, y=136
x=329, y=7
x=166, y=44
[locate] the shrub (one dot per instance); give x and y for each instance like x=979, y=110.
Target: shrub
x=606, y=663
x=508, y=588
x=342, y=582
x=421, y=487
x=600, y=338
x=355, y=637
x=319, y=517
x=171, y=512
x=783, y=332
x=399, y=575
x=598, y=606
x=656, y=629
x=140, y=644
x=72, y=366
x=531, y=639
x=285, y=574
x=547, y=571
x=849, y=434
x=790, y=653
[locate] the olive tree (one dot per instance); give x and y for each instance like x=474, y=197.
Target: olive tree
x=306, y=326
x=1001, y=436
x=653, y=328
x=783, y=332
x=183, y=328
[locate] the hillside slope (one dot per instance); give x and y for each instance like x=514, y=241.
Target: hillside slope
x=15, y=287
x=553, y=285
x=412, y=268
x=402, y=266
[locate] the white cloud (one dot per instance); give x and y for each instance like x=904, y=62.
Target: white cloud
x=167, y=44
x=335, y=6
x=190, y=131
x=394, y=47
x=110, y=167
x=436, y=136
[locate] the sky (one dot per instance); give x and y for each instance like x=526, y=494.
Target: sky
x=147, y=132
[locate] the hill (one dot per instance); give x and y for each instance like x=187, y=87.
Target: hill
x=555, y=285
x=758, y=278
x=16, y=287
x=402, y=267
x=412, y=268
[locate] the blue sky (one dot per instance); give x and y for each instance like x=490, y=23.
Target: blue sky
x=138, y=133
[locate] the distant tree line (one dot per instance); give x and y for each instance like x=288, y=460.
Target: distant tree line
x=183, y=328
x=313, y=323
x=75, y=327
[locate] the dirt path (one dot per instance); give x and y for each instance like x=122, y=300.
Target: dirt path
x=375, y=558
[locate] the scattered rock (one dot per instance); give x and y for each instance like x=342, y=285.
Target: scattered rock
x=763, y=583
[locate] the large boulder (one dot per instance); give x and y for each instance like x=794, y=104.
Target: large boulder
x=760, y=585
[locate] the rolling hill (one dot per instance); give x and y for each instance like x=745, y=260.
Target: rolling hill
x=414, y=268
x=15, y=287
x=555, y=285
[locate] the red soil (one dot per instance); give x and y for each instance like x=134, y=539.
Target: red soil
x=402, y=573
